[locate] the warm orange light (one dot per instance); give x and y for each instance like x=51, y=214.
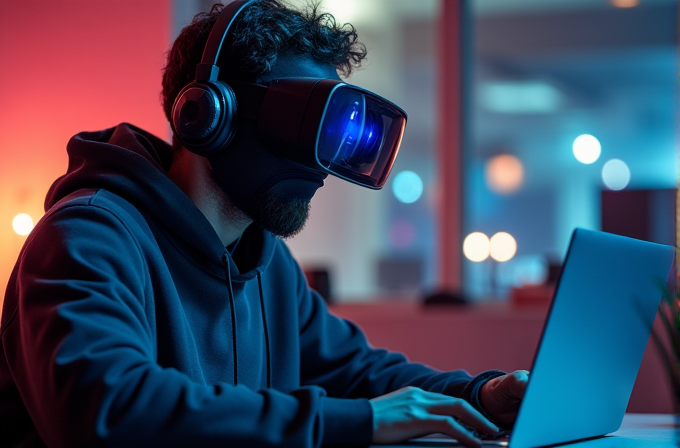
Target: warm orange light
x=625, y=3
x=22, y=224
x=504, y=174
x=503, y=246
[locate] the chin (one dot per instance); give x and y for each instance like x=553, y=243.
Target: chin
x=283, y=217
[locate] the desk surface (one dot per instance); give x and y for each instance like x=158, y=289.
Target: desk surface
x=637, y=430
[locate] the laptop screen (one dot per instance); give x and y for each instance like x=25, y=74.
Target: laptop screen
x=593, y=339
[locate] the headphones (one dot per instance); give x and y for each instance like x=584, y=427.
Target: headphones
x=204, y=112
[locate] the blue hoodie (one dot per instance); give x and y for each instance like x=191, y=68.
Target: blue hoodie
x=127, y=323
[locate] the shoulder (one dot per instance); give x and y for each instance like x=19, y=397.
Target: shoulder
x=96, y=208
x=86, y=237
x=89, y=223
x=97, y=199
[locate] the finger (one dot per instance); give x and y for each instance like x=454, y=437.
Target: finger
x=516, y=384
x=521, y=375
x=461, y=409
x=510, y=387
x=450, y=427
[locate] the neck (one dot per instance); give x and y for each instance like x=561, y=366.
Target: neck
x=193, y=175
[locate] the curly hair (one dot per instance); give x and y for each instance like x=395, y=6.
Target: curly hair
x=264, y=30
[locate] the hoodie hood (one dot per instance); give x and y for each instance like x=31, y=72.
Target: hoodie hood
x=133, y=164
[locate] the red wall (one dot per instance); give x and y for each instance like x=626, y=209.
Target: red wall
x=68, y=66
x=486, y=336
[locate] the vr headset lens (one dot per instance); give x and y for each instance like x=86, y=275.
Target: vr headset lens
x=359, y=136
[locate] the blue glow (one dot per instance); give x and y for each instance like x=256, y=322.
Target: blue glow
x=615, y=174
x=369, y=143
x=352, y=132
x=586, y=149
x=407, y=187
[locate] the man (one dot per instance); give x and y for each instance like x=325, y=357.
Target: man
x=155, y=305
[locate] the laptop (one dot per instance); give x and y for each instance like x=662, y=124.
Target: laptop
x=593, y=340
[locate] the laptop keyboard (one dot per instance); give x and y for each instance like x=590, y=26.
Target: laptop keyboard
x=503, y=433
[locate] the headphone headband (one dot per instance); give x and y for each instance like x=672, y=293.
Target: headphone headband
x=208, y=70
x=204, y=112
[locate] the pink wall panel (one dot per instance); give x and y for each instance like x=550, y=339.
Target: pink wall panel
x=68, y=66
x=491, y=336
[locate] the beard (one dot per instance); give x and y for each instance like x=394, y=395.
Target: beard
x=284, y=217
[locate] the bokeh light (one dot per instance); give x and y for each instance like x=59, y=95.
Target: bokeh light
x=407, y=187
x=615, y=174
x=586, y=149
x=476, y=247
x=22, y=224
x=504, y=174
x=625, y=3
x=503, y=246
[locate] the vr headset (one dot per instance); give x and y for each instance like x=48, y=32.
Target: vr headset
x=323, y=124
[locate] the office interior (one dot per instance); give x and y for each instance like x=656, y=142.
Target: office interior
x=559, y=114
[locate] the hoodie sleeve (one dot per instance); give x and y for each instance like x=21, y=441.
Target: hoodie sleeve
x=82, y=355
x=336, y=356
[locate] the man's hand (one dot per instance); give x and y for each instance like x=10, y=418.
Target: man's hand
x=412, y=412
x=502, y=395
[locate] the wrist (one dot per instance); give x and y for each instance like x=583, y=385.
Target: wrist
x=480, y=391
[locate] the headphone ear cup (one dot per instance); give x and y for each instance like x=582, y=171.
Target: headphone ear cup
x=204, y=117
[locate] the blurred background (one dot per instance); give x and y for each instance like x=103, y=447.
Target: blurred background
x=527, y=118
x=562, y=103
